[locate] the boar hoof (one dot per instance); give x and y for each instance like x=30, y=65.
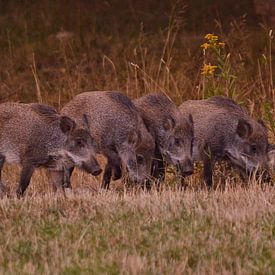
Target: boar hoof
x=19, y=194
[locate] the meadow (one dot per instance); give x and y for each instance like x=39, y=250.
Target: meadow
x=52, y=50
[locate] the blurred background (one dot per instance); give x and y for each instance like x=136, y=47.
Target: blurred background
x=52, y=50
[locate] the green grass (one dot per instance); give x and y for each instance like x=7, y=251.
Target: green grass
x=169, y=232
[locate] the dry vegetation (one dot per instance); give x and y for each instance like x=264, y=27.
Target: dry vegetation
x=50, y=51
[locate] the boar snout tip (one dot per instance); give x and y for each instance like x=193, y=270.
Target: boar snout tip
x=187, y=168
x=187, y=173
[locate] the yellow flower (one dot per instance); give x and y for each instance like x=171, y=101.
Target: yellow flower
x=211, y=37
x=208, y=69
x=205, y=46
x=213, y=42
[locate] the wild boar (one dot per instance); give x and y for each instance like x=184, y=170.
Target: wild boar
x=173, y=133
x=224, y=130
x=36, y=135
x=118, y=130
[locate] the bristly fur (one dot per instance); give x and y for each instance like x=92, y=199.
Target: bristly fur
x=115, y=125
x=173, y=133
x=223, y=129
x=225, y=102
x=33, y=135
x=45, y=111
x=121, y=100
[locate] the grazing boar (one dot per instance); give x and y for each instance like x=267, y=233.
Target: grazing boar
x=36, y=135
x=119, y=132
x=224, y=130
x=172, y=132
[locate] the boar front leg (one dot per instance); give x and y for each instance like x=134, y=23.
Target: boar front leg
x=107, y=175
x=117, y=173
x=158, y=169
x=113, y=166
x=67, y=177
x=208, y=165
x=25, y=177
x=2, y=185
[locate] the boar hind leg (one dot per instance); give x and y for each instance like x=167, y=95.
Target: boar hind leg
x=25, y=177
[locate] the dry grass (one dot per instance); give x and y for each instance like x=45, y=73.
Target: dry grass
x=194, y=231
x=48, y=54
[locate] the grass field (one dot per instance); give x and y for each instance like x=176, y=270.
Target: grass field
x=135, y=232
x=52, y=50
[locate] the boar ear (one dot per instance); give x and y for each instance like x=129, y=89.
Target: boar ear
x=133, y=138
x=244, y=129
x=169, y=123
x=86, y=121
x=67, y=124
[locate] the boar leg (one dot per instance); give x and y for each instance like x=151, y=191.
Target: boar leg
x=158, y=169
x=117, y=173
x=113, y=166
x=182, y=184
x=107, y=175
x=208, y=165
x=2, y=185
x=67, y=177
x=25, y=177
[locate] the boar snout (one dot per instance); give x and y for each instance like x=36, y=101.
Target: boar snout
x=186, y=167
x=92, y=167
x=132, y=165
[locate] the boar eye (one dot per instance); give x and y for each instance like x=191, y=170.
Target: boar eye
x=140, y=159
x=79, y=143
x=253, y=149
x=177, y=141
